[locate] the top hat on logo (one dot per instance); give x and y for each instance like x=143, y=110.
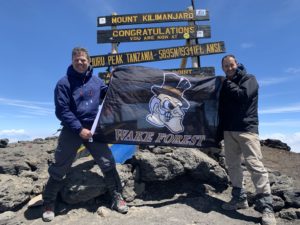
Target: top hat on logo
x=173, y=85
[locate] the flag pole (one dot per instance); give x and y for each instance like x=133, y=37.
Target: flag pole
x=114, y=50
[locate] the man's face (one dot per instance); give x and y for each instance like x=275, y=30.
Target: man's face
x=229, y=67
x=80, y=62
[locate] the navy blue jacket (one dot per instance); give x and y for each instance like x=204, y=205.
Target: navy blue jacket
x=77, y=97
x=239, y=103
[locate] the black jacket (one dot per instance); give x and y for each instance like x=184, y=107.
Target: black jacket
x=239, y=103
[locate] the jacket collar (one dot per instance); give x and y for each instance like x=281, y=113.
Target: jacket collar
x=71, y=72
x=240, y=71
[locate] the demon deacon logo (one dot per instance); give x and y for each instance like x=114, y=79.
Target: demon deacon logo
x=168, y=106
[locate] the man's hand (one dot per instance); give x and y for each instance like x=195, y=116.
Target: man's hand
x=85, y=134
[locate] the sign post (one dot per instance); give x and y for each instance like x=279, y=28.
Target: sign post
x=195, y=60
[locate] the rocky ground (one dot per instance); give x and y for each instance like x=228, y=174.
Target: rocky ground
x=174, y=196
x=284, y=161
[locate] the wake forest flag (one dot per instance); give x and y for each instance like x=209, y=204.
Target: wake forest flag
x=155, y=107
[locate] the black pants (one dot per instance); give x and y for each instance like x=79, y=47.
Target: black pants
x=68, y=144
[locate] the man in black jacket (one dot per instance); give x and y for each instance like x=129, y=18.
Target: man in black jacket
x=239, y=125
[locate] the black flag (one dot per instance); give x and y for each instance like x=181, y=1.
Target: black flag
x=155, y=107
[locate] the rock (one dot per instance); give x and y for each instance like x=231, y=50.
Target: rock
x=84, y=182
x=290, y=214
x=103, y=211
x=278, y=203
x=14, y=191
x=292, y=198
x=280, y=183
x=274, y=143
x=51, y=138
x=3, y=143
x=6, y=216
x=157, y=167
x=161, y=150
x=164, y=167
x=39, y=141
x=25, y=157
x=202, y=167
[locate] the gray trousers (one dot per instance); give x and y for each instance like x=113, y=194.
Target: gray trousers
x=65, y=153
x=246, y=144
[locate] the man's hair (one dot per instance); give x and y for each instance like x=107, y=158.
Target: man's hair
x=77, y=50
x=228, y=56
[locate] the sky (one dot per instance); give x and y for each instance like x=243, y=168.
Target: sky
x=37, y=38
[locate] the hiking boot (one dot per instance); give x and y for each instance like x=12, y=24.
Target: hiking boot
x=119, y=204
x=235, y=204
x=48, y=212
x=268, y=217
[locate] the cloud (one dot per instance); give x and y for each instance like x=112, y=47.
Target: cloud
x=7, y=100
x=286, y=13
x=282, y=123
x=279, y=93
x=29, y=107
x=284, y=109
x=292, y=140
x=293, y=70
x=290, y=74
x=93, y=9
x=271, y=81
x=12, y=132
x=14, y=135
x=247, y=45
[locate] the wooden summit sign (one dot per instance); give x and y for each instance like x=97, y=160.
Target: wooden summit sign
x=153, y=34
x=197, y=72
x=115, y=20
x=157, y=54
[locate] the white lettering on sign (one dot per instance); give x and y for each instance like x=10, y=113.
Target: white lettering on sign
x=158, y=138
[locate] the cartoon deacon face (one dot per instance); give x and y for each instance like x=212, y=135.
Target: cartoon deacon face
x=168, y=106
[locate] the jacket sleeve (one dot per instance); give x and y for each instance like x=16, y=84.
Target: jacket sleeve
x=242, y=92
x=62, y=99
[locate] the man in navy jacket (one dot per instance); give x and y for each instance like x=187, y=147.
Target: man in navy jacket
x=77, y=97
x=239, y=124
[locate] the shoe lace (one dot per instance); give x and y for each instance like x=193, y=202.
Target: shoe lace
x=122, y=202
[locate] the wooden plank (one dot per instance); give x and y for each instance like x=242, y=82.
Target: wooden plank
x=153, y=34
x=157, y=54
x=35, y=201
x=197, y=72
x=143, y=18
